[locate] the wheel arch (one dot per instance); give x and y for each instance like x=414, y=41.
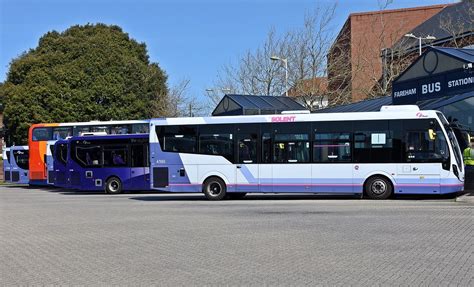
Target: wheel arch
x=390, y=179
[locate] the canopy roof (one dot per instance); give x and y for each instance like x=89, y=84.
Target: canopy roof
x=254, y=105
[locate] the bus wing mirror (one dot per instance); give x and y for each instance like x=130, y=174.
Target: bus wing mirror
x=432, y=134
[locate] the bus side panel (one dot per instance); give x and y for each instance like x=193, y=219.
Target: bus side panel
x=418, y=178
x=335, y=178
x=449, y=183
x=291, y=177
x=181, y=177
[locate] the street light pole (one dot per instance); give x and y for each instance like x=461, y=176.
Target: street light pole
x=419, y=40
x=285, y=61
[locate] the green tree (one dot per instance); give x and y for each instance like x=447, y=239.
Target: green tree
x=90, y=72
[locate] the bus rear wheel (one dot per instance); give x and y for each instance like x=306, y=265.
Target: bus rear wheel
x=378, y=187
x=214, y=188
x=113, y=185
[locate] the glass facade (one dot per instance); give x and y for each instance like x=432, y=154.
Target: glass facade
x=462, y=111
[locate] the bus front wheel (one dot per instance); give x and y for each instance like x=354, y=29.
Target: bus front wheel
x=214, y=188
x=113, y=185
x=378, y=187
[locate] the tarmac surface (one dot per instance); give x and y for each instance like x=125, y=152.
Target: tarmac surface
x=50, y=236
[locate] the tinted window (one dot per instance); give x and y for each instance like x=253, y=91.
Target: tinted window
x=120, y=130
x=266, y=147
x=88, y=155
x=62, y=153
x=60, y=133
x=332, y=147
x=98, y=129
x=420, y=146
x=139, y=155
x=288, y=148
x=80, y=130
x=372, y=142
x=8, y=155
x=247, y=148
x=217, y=140
x=140, y=128
x=115, y=155
x=178, y=138
x=21, y=158
x=42, y=134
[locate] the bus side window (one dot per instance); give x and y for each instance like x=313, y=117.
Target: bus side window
x=247, y=146
x=266, y=148
x=332, y=147
x=115, y=156
x=89, y=155
x=139, y=155
x=42, y=134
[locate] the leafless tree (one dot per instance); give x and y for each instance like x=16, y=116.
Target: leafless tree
x=304, y=49
x=181, y=104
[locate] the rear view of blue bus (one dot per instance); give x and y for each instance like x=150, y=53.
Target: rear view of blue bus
x=19, y=164
x=6, y=165
x=113, y=163
x=59, y=176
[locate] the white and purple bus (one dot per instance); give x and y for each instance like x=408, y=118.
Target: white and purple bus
x=399, y=150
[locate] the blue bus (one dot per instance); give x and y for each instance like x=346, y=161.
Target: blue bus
x=6, y=164
x=113, y=163
x=19, y=164
x=58, y=175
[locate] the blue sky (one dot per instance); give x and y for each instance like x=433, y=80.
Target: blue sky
x=189, y=39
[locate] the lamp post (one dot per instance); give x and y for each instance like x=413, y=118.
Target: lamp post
x=285, y=61
x=419, y=40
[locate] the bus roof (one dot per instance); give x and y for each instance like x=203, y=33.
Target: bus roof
x=90, y=123
x=386, y=114
x=109, y=137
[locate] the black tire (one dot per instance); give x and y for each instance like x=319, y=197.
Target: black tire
x=378, y=187
x=214, y=188
x=236, y=195
x=113, y=185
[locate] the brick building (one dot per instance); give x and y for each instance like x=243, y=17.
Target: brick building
x=311, y=93
x=354, y=60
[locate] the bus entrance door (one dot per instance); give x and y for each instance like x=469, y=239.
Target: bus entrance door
x=140, y=170
x=247, y=168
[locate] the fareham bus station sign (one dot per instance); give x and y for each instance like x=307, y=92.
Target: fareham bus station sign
x=412, y=91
